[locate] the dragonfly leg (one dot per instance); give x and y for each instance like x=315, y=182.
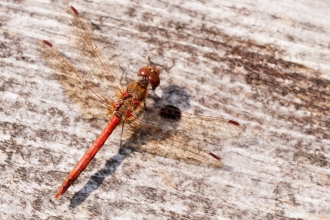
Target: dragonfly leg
x=123, y=72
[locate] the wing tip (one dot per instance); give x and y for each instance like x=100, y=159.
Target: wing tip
x=74, y=10
x=234, y=122
x=47, y=43
x=215, y=156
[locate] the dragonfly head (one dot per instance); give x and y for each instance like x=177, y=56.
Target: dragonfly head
x=152, y=73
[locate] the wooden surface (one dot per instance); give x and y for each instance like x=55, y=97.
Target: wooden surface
x=262, y=63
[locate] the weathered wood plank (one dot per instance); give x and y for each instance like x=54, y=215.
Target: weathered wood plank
x=264, y=64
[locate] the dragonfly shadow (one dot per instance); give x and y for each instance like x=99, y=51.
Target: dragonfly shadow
x=172, y=95
x=97, y=178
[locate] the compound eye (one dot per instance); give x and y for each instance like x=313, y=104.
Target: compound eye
x=144, y=71
x=154, y=70
x=154, y=80
x=154, y=77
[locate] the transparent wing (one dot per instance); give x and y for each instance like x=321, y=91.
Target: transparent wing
x=79, y=89
x=99, y=85
x=181, y=135
x=91, y=64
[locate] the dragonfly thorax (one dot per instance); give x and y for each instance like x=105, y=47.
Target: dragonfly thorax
x=130, y=100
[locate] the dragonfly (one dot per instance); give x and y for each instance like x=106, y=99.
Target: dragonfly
x=175, y=133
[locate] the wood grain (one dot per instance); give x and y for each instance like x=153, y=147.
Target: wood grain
x=264, y=64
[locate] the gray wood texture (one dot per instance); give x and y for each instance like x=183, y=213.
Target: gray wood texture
x=264, y=64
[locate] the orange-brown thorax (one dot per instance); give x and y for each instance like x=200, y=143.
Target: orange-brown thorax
x=136, y=92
